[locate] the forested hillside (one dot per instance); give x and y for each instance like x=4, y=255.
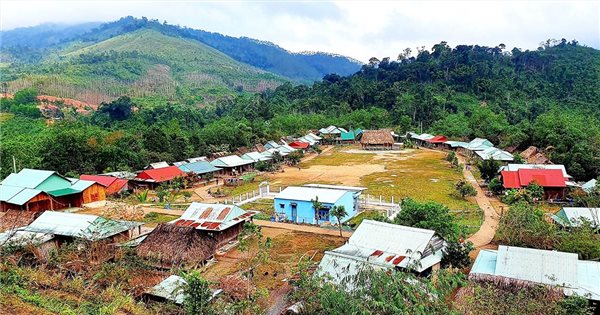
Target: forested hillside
x=36, y=43
x=549, y=98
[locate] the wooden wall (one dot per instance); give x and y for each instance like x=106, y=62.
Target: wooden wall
x=96, y=192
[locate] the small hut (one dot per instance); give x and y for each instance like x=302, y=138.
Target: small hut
x=377, y=140
x=173, y=245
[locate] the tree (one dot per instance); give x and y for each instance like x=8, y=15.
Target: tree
x=495, y=186
x=316, y=206
x=456, y=254
x=489, y=169
x=119, y=109
x=26, y=96
x=339, y=212
x=524, y=225
x=256, y=248
x=429, y=215
x=186, y=195
x=197, y=294
x=464, y=189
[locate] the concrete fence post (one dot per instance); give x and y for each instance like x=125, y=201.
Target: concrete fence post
x=247, y=195
x=380, y=200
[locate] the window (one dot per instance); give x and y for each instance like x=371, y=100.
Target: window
x=281, y=205
x=324, y=214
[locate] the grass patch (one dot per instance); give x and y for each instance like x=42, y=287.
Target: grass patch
x=265, y=206
x=422, y=176
x=369, y=215
x=244, y=188
x=336, y=157
x=471, y=219
x=6, y=117
x=157, y=218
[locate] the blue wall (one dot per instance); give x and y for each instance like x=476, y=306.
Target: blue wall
x=305, y=212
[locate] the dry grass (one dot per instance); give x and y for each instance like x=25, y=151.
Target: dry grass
x=265, y=206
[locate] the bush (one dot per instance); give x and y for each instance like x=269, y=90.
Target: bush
x=456, y=254
x=464, y=189
x=524, y=225
x=495, y=186
x=429, y=215
x=489, y=169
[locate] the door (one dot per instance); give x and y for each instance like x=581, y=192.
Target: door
x=294, y=212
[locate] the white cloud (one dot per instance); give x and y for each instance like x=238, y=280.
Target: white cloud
x=360, y=29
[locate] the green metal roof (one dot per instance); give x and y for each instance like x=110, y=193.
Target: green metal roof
x=27, y=178
x=347, y=135
x=358, y=131
x=64, y=192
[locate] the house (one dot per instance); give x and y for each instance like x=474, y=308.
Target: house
x=574, y=216
x=589, y=185
x=295, y=204
x=496, y=154
x=41, y=243
x=37, y=190
x=255, y=156
x=376, y=140
x=559, y=270
x=533, y=155
x=151, y=178
x=356, y=191
x=455, y=145
x=271, y=145
x=515, y=167
x=157, y=165
x=14, y=219
x=197, y=159
x=111, y=184
x=300, y=145
x=172, y=289
x=436, y=141
x=232, y=165
x=221, y=222
x=66, y=226
x=306, y=139
x=195, y=237
x=551, y=180
x=331, y=134
x=477, y=144
x=386, y=246
x=313, y=137
x=420, y=139
x=347, y=137
x=203, y=169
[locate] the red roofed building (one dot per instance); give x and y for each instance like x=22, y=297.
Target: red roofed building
x=552, y=180
x=299, y=145
x=437, y=141
x=112, y=184
x=154, y=177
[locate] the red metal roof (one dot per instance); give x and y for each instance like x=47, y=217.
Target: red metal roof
x=206, y=213
x=102, y=180
x=377, y=253
x=161, y=174
x=299, y=145
x=542, y=177
x=437, y=139
x=389, y=258
x=223, y=214
x=510, y=179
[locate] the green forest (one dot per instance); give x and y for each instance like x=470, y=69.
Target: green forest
x=549, y=97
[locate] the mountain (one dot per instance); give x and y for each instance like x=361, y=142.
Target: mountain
x=300, y=67
x=141, y=63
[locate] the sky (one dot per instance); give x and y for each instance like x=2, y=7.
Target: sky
x=359, y=29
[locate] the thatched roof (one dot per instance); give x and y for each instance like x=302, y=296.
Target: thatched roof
x=177, y=245
x=377, y=137
x=16, y=218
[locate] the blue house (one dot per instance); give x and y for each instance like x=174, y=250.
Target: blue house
x=294, y=203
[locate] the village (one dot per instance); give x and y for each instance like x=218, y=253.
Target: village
x=328, y=198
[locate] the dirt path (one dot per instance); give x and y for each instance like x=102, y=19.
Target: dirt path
x=302, y=228
x=491, y=218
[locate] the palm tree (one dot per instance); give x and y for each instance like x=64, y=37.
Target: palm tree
x=339, y=212
x=316, y=205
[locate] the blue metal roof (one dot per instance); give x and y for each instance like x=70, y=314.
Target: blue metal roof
x=199, y=167
x=485, y=262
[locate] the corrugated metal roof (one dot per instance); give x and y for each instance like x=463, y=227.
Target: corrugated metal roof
x=457, y=144
x=82, y=184
x=64, y=192
x=349, y=188
x=158, y=165
x=299, y=144
x=172, y=289
x=230, y=161
x=304, y=193
x=160, y=174
x=399, y=245
x=341, y=268
x=536, y=265
x=198, y=167
x=208, y=216
x=197, y=159
x=516, y=167
x=7, y=192
x=21, y=238
x=313, y=136
x=254, y=156
x=100, y=179
x=572, y=216
x=494, y=153
x=588, y=186
x=271, y=145
x=348, y=135
x=86, y=226
x=24, y=196
x=510, y=179
x=553, y=268
x=588, y=279
x=479, y=144
x=28, y=178
x=543, y=177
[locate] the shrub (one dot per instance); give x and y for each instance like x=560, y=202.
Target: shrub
x=489, y=169
x=456, y=254
x=464, y=189
x=495, y=186
x=429, y=215
x=524, y=225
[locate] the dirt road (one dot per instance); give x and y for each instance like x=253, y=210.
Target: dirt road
x=491, y=218
x=302, y=228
